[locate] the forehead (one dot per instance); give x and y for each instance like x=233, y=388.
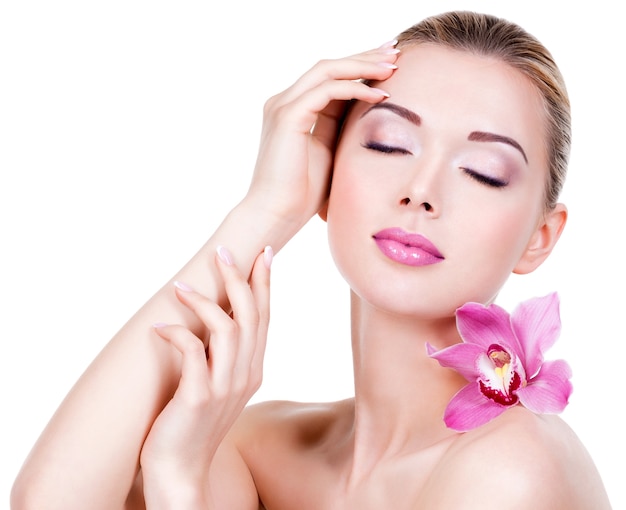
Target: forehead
x=455, y=90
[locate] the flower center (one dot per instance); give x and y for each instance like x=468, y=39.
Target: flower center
x=498, y=379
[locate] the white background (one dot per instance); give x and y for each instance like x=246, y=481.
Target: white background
x=129, y=128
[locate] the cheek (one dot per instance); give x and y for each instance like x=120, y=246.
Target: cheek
x=355, y=191
x=353, y=213
x=344, y=209
x=503, y=236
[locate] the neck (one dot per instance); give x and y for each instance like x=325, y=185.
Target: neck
x=400, y=392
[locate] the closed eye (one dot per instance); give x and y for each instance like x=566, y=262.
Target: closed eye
x=386, y=149
x=485, y=179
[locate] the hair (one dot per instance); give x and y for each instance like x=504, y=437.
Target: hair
x=488, y=35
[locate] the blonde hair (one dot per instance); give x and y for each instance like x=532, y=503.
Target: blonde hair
x=491, y=36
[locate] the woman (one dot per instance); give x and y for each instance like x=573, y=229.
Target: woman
x=444, y=181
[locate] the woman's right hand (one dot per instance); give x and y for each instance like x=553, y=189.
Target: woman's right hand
x=292, y=174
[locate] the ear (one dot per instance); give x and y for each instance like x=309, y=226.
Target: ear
x=543, y=240
x=323, y=212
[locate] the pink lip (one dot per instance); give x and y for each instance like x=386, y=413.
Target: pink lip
x=407, y=248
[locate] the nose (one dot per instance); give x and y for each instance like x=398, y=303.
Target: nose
x=425, y=205
x=421, y=190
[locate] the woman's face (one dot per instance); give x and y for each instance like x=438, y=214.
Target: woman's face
x=438, y=191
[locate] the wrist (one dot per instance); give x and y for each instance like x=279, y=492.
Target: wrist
x=270, y=226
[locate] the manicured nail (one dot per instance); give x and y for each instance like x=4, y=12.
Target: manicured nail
x=224, y=255
x=388, y=44
x=268, y=255
x=182, y=286
x=380, y=91
x=158, y=325
x=388, y=65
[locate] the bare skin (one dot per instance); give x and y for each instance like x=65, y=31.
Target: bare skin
x=389, y=446
x=520, y=460
x=182, y=436
x=136, y=374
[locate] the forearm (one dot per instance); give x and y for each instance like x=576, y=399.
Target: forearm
x=88, y=454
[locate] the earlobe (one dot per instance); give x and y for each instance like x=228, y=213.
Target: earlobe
x=543, y=240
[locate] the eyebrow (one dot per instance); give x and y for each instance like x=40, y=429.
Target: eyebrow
x=481, y=136
x=474, y=136
x=398, y=110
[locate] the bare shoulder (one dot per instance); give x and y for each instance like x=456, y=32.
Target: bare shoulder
x=282, y=444
x=520, y=460
x=287, y=422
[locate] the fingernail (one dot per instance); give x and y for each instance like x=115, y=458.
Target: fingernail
x=225, y=256
x=158, y=325
x=388, y=44
x=380, y=91
x=268, y=255
x=182, y=286
x=388, y=65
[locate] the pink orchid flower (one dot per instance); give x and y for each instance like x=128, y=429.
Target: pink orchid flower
x=502, y=357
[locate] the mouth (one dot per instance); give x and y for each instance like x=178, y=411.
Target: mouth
x=407, y=248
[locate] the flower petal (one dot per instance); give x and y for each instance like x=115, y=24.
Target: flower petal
x=461, y=357
x=550, y=390
x=469, y=409
x=537, y=325
x=485, y=325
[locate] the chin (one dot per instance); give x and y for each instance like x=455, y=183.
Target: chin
x=413, y=305
x=418, y=301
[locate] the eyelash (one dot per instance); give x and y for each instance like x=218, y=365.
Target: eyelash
x=481, y=178
x=484, y=179
x=385, y=149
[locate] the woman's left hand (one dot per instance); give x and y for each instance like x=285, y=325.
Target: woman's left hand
x=214, y=386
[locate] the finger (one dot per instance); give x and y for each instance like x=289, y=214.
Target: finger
x=374, y=65
x=349, y=71
x=302, y=114
x=244, y=310
x=210, y=313
x=194, y=379
x=260, y=282
x=260, y=285
x=246, y=315
x=328, y=122
x=223, y=341
x=345, y=69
